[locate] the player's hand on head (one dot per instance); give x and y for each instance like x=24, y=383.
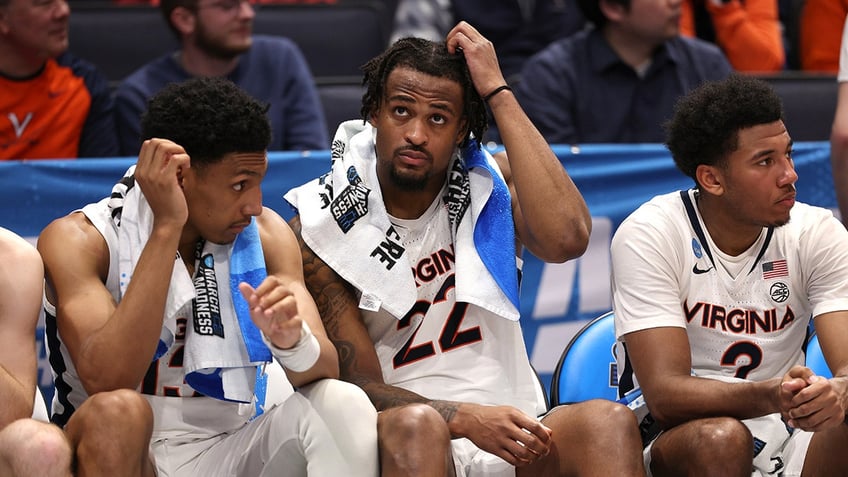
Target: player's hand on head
x=480, y=56
x=273, y=308
x=161, y=164
x=508, y=433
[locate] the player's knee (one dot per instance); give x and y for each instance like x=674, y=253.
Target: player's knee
x=724, y=430
x=594, y=417
x=412, y=423
x=340, y=404
x=124, y=410
x=335, y=394
x=39, y=447
x=723, y=439
x=611, y=413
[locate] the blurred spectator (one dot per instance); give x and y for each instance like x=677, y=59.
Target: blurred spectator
x=821, y=34
x=749, y=31
x=517, y=28
x=52, y=104
x=254, y=2
x=839, y=132
x=216, y=40
x=617, y=82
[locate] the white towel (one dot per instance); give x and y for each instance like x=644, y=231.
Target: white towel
x=134, y=220
x=344, y=221
x=223, y=354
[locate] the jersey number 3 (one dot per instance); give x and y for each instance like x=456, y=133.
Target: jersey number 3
x=743, y=348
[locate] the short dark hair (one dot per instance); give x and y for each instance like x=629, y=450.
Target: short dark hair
x=168, y=6
x=208, y=117
x=592, y=10
x=431, y=58
x=706, y=122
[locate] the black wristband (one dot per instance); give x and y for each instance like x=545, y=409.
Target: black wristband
x=496, y=91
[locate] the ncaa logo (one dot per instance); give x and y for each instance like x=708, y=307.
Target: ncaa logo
x=779, y=292
x=696, y=248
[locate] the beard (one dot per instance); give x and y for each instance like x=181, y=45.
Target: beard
x=213, y=46
x=408, y=180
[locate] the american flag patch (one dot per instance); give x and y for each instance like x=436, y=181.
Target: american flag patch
x=775, y=269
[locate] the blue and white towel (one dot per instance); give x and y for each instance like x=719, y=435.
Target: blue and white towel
x=224, y=352
x=344, y=221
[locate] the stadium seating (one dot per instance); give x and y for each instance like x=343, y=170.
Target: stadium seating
x=815, y=358
x=809, y=103
x=586, y=368
x=335, y=39
x=341, y=99
x=118, y=39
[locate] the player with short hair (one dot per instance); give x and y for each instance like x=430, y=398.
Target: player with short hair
x=714, y=291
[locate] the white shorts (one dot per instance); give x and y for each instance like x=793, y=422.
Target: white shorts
x=470, y=461
x=327, y=428
x=794, y=454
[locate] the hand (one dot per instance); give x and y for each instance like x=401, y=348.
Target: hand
x=479, y=55
x=273, y=309
x=506, y=432
x=161, y=164
x=809, y=402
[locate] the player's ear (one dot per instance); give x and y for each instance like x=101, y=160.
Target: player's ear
x=463, y=132
x=710, y=179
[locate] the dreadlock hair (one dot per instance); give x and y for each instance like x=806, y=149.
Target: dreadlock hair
x=431, y=58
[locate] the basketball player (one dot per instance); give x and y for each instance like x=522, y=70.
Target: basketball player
x=714, y=289
x=137, y=279
x=421, y=324
x=109, y=434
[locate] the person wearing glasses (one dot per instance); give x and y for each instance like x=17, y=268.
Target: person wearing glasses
x=216, y=40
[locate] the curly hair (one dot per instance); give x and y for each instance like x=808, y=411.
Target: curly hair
x=209, y=117
x=431, y=58
x=706, y=122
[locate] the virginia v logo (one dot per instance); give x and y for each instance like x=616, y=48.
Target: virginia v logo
x=19, y=127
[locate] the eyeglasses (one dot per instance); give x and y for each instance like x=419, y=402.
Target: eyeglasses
x=229, y=7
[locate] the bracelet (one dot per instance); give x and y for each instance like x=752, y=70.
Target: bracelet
x=300, y=357
x=496, y=91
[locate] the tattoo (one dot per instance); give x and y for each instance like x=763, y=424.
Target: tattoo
x=336, y=303
x=446, y=408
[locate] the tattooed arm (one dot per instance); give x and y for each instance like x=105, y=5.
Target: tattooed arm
x=486, y=426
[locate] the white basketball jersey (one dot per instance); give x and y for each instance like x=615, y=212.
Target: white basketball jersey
x=746, y=316
x=443, y=349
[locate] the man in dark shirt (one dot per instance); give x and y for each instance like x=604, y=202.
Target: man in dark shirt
x=618, y=81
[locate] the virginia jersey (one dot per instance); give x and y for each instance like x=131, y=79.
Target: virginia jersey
x=746, y=316
x=165, y=377
x=443, y=349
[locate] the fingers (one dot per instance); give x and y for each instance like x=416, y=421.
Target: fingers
x=815, y=407
x=528, y=442
x=479, y=55
x=162, y=156
x=461, y=36
x=272, y=296
x=801, y=372
x=273, y=308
